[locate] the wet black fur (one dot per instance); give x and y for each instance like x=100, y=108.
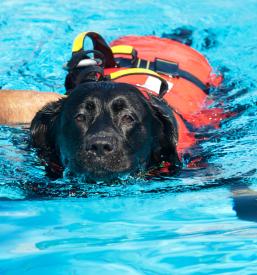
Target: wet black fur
x=54, y=125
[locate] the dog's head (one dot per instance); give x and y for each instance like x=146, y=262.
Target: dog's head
x=106, y=129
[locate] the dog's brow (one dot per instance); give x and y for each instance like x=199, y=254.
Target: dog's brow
x=90, y=100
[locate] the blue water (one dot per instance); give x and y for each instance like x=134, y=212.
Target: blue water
x=183, y=225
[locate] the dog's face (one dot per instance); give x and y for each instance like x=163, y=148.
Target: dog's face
x=105, y=130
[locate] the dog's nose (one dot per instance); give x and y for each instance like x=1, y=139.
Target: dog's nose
x=101, y=146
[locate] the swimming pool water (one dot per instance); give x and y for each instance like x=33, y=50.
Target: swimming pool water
x=182, y=225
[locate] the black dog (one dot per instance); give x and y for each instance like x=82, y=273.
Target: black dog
x=106, y=130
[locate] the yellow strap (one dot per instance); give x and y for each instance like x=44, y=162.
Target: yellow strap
x=133, y=71
x=78, y=42
x=122, y=49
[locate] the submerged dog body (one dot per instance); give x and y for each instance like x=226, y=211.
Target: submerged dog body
x=106, y=129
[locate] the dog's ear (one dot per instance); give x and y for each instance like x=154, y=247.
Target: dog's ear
x=168, y=134
x=43, y=126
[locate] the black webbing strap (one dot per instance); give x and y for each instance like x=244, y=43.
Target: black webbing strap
x=162, y=67
x=167, y=67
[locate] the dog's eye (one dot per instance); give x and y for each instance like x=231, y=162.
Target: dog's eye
x=127, y=119
x=80, y=117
